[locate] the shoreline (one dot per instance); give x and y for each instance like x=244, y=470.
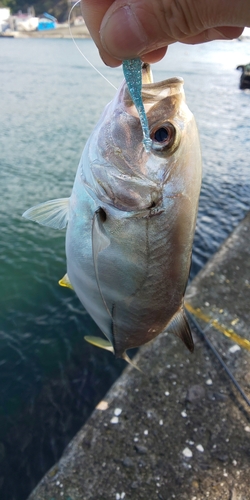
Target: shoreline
x=80, y=31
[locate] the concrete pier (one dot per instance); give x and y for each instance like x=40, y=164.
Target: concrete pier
x=180, y=429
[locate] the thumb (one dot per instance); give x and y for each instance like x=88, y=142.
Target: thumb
x=138, y=27
x=132, y=28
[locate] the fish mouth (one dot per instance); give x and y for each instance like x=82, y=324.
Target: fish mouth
x=147, y=75
x=147, y=79
x=151, y=91
x=160, y=90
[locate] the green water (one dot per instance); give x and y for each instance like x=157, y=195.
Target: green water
x=50, y=378
x=50, y=100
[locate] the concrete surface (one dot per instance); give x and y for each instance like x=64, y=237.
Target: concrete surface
x=180, y=429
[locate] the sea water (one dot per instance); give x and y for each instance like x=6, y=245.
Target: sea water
x=50, y=100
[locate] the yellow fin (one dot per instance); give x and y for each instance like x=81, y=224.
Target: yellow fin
x=99, y=342
x=65, y=282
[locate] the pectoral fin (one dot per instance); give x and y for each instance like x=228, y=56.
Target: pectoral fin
x=65, y=282
x=100, y=342
x=52, y=213
x=180, y=327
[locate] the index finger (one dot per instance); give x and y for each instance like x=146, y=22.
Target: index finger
x=93, y=12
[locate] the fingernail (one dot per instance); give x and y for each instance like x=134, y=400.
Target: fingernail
x=122, y=34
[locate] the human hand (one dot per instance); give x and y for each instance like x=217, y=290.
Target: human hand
x=144, y=28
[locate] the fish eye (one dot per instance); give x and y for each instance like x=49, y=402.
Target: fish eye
x=163, y=136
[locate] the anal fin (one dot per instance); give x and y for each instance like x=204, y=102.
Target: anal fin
x=179, y=326
x=99, y=342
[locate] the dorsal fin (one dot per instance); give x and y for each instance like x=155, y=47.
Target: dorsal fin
x=65, y=282
x=180, y=327
x=52, y=213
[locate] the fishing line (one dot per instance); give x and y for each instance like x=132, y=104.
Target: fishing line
x=78, y=48
x=214, y=350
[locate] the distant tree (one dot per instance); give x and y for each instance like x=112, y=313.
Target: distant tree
x=8, y=3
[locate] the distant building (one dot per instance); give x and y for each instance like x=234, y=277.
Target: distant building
x=24, y=22
x=47, y=22
x=4, y=19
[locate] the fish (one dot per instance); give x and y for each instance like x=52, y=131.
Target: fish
x=131, y=217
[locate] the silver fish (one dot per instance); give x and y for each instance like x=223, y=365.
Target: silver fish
x=131, y=217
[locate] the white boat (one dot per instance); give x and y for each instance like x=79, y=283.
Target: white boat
x=245, y=34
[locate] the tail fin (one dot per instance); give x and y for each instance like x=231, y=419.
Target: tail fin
x=179, y=326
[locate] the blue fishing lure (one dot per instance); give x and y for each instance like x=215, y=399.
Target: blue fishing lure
x=132, y=69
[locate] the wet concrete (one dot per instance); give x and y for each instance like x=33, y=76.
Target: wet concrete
x=180, y=429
